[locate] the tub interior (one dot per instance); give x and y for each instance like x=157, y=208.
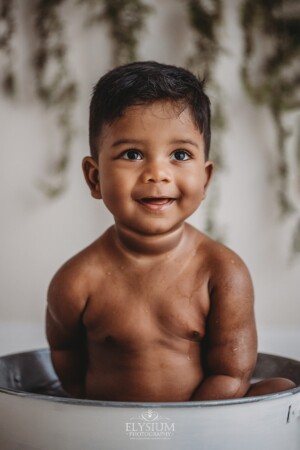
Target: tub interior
x=32, y=372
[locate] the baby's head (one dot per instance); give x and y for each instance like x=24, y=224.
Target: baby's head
x=143, y=83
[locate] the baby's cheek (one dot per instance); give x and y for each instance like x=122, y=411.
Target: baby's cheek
x=193, y=189
x=111, y=199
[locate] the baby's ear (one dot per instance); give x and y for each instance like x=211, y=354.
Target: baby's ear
x=91, y=175
x=209, y=170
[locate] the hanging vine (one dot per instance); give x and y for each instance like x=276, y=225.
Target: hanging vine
x=7, y=28
x=271, y=75
x=54, y=85
x=205, y=19
x=126, y=19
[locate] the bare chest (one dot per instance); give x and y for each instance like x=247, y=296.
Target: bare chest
x=139, y=309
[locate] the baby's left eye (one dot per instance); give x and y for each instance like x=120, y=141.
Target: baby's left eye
x=180, y=155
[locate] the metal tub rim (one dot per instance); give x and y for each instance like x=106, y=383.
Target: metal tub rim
x=153, y=405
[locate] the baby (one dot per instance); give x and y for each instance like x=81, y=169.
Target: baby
x=153, y=310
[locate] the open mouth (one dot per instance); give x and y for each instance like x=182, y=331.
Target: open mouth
x=156, y=203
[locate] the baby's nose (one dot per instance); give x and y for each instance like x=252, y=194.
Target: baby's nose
x=156, y=172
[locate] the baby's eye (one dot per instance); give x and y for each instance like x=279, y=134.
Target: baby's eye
x=181, y=155
x=132, y=154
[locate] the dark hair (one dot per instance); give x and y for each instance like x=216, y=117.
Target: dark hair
x=145, y=82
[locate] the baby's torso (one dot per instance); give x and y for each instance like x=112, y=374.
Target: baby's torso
x=145, y=328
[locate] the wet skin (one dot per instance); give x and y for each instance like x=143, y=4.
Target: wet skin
x=153, y=310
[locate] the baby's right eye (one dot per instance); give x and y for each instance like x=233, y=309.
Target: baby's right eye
x=132, y=155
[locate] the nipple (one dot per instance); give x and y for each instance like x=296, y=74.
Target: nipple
x=109, y=339
x=195, y=334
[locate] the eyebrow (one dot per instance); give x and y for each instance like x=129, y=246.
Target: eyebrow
x=126, y=141
x=185, y=141
x=136, y=141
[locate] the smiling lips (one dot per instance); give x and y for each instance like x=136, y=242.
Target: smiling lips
x=156, y=203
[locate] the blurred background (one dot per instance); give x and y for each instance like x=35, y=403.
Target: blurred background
x=51, y=55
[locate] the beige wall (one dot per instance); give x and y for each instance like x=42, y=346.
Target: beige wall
x=38, y=234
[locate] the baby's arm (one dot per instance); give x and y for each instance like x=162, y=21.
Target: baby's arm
x=65, y=331
x=231, y=334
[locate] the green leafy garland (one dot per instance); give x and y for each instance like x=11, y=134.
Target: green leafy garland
x=272, y=77
x=205, y=18
x=54, y=85
x=126, y=19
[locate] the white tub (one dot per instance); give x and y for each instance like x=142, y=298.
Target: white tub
x=30, y=419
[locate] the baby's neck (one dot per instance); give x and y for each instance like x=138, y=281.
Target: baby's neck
x=148, y=245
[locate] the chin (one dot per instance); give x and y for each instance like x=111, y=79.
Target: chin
x=156, y=229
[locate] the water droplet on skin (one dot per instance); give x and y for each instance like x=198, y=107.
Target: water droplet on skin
x=188, y=357
x=108, y=273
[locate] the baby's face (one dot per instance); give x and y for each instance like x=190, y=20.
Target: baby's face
x=151, y=166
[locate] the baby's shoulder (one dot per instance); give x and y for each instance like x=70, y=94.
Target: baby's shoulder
x=221, y=255
x=75, y=277
x=222, y=263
